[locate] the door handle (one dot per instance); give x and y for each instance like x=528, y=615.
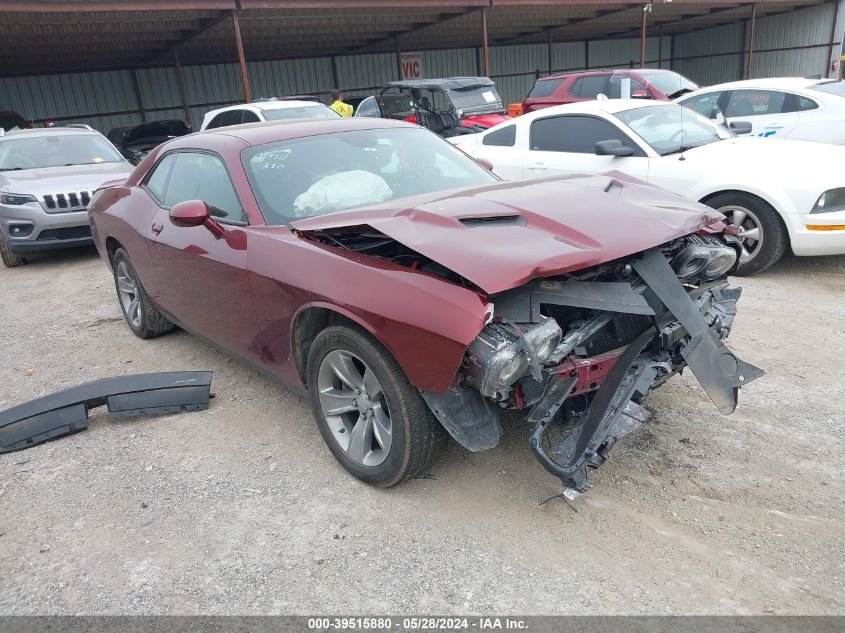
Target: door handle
x=774, y=127
x=157, y=228
x=538, y=167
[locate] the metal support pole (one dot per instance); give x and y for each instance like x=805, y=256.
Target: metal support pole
x=743, y=49
x=660, y=45
x=551, y=65
x=586, y=54
x=398, y=60
x=138, y=95
x=335, y=76
x=642, y=38
x=236, y=25
x=826, y=71
x=180, y=79
x=752, y=24
x=485, y=45
x=672, y=52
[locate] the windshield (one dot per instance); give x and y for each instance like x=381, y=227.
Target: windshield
x=476, y=98
x=317, y=111
x=56, y=151
x=670, y=129
x=324, y=174
x=667, y=82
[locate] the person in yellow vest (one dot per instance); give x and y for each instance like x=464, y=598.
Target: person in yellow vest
x=343, y=109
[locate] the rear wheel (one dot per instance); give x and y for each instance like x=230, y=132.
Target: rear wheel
x=143, y=317
x=374, y=422
x=760, y=229
x=9, y=257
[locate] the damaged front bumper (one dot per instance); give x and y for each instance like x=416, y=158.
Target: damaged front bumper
x=66, y=412
x=678, y=326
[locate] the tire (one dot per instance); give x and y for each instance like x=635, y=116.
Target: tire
x=9, y=257
x=772, y=231
x=144, y=320
x=416, y=437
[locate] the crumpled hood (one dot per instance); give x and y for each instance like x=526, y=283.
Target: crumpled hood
x=503, y=235
x=52, y=180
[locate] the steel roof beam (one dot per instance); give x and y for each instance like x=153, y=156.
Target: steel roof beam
x=187, y=37
x=415, y=28
x=562, y=25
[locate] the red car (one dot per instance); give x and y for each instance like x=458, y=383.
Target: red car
x=637, y=83
x=407, y=289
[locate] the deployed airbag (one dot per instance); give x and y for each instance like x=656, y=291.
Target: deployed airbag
x=342, y=191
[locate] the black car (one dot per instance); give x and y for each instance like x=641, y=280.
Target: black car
x=136, y=141
x=12, y=121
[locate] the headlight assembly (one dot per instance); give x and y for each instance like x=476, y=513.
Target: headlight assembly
x=16, y=199
x=499, y=356
x=830, y=200
x=703, y=258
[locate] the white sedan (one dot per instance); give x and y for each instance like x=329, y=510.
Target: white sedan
x=786, y=107
x=777, y=193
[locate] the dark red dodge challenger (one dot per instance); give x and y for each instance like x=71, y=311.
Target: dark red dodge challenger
x=409, y=291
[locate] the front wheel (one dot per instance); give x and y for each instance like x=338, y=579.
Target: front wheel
x=143, y=317
x=760, y=229
x=374, y=422
x=9, y=257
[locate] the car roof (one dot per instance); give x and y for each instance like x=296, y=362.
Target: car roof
x=602, y=71
x=273, y=131
x=605, y=106
x=266, y=105
x=784, y=83
x=446, y=83
x=50, y=131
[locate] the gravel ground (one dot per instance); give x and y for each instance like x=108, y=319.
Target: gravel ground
x=242, y=509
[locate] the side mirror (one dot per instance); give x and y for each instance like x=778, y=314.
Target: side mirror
x=190, y=213
x=640, y=94
x=195, y=213
x=613, y=147
x=485, y=163
x=740, y=127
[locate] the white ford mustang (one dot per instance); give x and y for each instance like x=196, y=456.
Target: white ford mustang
x=778, y=193
x=785, y=107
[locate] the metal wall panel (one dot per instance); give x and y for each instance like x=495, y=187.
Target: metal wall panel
x=291, y=77
x=457, y=62
x=806, y=26
x=623, y=52
x=707, y=71
x=365, y=73
x=727, y=38
x=568, y=56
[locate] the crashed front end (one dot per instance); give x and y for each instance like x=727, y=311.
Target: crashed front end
x=579, y=352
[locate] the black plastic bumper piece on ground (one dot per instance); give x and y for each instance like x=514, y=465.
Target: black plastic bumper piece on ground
x=66, y=412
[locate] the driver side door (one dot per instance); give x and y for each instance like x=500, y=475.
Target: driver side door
x=566, y=144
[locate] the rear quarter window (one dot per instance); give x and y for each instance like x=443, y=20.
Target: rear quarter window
x=545, y=87
x=506, y=137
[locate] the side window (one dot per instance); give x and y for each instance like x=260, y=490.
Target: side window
x=249, y=117
x=217, y=121
x=805, y=103
x=506, y=137
x=706, y=105
x=755, y=103
x=204, y=177
x=157, y=181
x=589, y=87
x=233, y=117
x=368, y=108
x=576, y=134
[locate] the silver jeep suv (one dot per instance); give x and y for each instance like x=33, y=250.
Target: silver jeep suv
x=47, y=178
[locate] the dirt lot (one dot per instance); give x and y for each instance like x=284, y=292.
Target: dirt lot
x=242, y=509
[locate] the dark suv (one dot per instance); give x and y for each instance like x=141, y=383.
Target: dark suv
x=635, y=83
x=10, y=120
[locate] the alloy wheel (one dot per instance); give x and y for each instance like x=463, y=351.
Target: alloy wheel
x=354, y=406
x=749, y=231
x=130, y=300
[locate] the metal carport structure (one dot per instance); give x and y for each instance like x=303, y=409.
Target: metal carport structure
x=39, y=37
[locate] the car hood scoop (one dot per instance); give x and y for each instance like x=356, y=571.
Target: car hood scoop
x=503, y=235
